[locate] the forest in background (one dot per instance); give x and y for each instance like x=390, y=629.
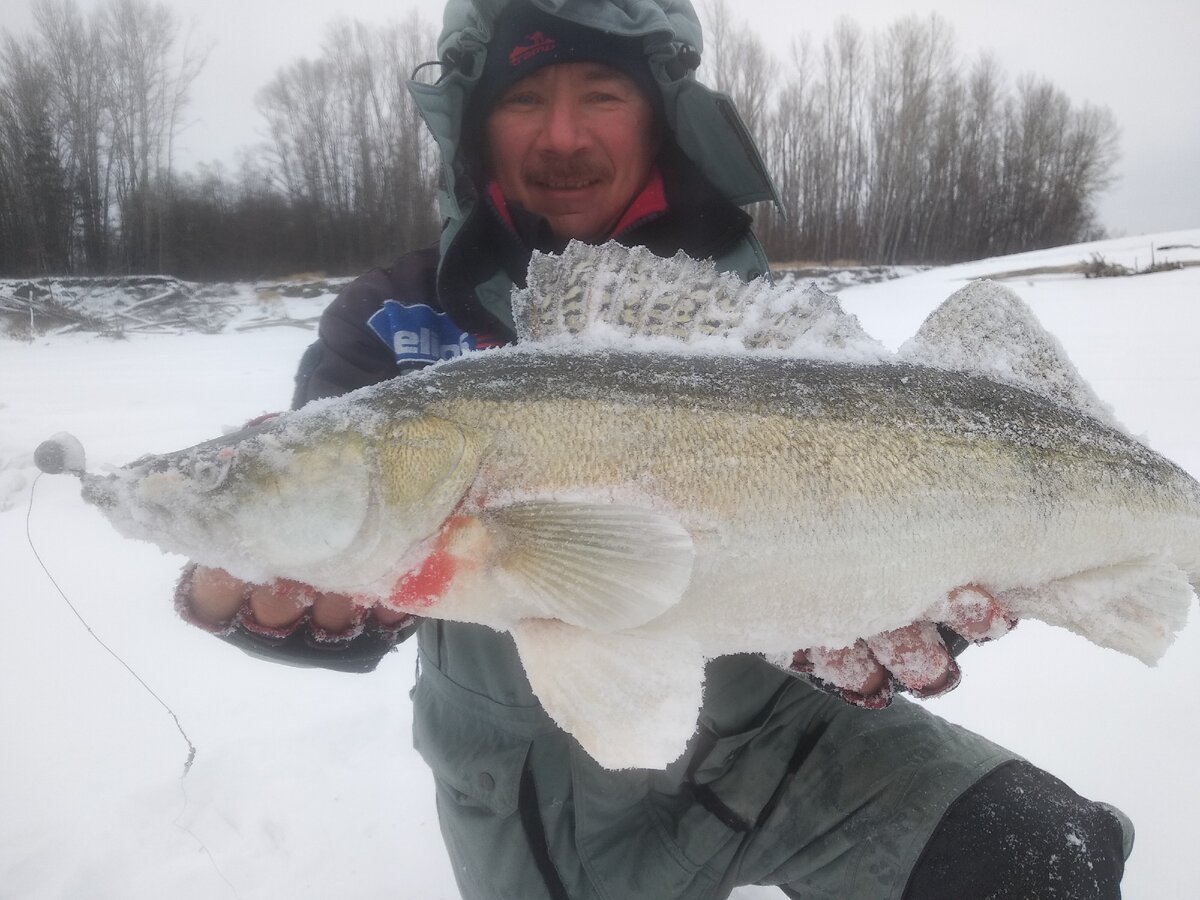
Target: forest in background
x=887, y=147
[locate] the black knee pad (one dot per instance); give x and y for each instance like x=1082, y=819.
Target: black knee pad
x=1021, y=834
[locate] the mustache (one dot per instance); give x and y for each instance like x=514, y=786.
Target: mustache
x=566, y=171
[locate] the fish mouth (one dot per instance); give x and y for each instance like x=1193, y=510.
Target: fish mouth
x=155, y=495
x=100, y=490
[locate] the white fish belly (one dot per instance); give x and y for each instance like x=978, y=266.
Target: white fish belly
x=772, y=598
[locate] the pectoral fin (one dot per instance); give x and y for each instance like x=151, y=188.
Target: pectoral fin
x=602, y=567
x=630, y=701
x=1135, y=608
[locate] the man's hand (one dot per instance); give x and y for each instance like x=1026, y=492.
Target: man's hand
x=217, y=598
x=915, y=657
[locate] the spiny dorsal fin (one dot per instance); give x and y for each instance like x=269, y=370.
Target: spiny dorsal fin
x=615, y=291
x=986, y=328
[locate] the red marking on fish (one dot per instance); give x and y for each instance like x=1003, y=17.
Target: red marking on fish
x=423, y=586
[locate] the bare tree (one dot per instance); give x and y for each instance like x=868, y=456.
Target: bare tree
x=886, y=148
x=972, y=225
x=737, y=63
x=844, y=161
x=35, y=222
x=349, y=144
x=912, y=57
x=149, y=75
x=786, y=144
x=73, y=51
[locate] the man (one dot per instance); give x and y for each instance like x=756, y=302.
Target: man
x=570, y=119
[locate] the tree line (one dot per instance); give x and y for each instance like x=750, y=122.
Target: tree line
x=885, y=145
x=89, y=111
x=91, y=108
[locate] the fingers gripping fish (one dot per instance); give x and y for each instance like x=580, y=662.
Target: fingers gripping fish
x=672, y=466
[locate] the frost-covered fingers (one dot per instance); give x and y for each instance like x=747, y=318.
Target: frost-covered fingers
x=975, y=614
x=214, y=596
x=284, y=604
x=914, y=658
x=280, y=604
x=851, y=673
x=869, y=673
x=216, y=599
x=917, y=657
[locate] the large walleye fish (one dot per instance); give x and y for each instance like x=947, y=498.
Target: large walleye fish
x=671, y=466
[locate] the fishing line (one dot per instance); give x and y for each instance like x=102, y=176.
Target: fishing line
x=203, y=846
x=111, y=652
x=191, y=757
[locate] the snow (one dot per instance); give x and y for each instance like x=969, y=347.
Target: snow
x=304, y=778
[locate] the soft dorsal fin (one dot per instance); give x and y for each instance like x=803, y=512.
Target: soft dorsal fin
x=986, y=328
x=609, y=291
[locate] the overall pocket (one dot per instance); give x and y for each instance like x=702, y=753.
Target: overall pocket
x=475, y=746
x=478, y=750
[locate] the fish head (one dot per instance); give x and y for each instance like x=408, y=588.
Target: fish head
x=332, y=504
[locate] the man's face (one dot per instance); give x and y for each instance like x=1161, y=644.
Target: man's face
x=573, y=142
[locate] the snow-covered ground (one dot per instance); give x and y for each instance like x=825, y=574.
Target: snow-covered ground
x=305, y=784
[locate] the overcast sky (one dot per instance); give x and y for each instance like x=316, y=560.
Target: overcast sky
x=1141, y=59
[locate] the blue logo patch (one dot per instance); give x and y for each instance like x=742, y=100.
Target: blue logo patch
x=418, y=333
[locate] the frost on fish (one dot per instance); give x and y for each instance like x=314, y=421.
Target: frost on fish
x=307, y=494
x=674, y=466
x=987, y=329
x=619, y=293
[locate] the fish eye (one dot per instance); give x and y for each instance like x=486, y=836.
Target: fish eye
x=210, y=473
